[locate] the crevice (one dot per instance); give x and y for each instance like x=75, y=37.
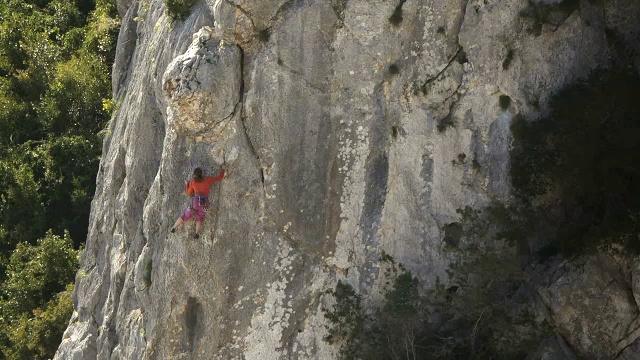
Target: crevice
x=459, y=55
x=623, y=349
x=244, y=12
x=245, y=131
x=455, y=92
x=299, y=74
x=606, y=286
x=628, y=332
x=233, y=113
x=432, y=79
x=338, y=7
x=252, y=148
x=192, y=310
x=281, y=9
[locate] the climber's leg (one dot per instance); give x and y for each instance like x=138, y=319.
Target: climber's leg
x=198, y=224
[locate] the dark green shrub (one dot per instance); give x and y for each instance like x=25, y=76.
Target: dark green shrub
x=508, y=59
x=264, y=35
x=396, y=18
x=394, y=69
x=483, y=315
x=445, y=123
x=348, y=321
x=148, y=268
x=504, y=102
x=539, y=13
x=179, y=9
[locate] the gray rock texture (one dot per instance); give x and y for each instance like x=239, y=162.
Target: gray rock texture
x=591, y=302
x=346, y=134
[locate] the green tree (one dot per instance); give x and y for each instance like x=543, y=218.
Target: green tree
x=55, y=60
x=35, y=298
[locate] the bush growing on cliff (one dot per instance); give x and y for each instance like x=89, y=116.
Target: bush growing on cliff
x=179, y=9
x=486, y=313
x=540, y=13
x=384, y=334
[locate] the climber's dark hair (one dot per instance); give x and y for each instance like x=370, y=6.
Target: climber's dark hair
x=197, y=174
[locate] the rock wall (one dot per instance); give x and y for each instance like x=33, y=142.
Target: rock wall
x=349, y=128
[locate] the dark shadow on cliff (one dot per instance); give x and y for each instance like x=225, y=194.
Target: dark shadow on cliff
x=577, y=170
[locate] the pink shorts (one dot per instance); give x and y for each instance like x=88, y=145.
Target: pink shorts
x=199, y=206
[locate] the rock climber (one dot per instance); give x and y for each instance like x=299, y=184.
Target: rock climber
x=198, y=189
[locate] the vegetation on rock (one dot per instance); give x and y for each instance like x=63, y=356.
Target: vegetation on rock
x=179, y=9
x=486, y=314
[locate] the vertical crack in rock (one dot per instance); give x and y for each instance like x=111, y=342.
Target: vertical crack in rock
x=432, y=79
x=243, y=11
x=376, y=182
x=304, y=79
x=245, y=130
x=282, y=9
x=191, y=313
x=338, y=7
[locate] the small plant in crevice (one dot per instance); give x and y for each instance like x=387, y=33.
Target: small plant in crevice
x=264, y=35
x=444, y=123
x=148, y=268
x=452, y=234
x=396, y=18
x=394, y=69
x=179, y=9
x=279, y=61
x=441, y=30
x=508, y=59
x=462, y=58
x=504, y=101
x=394, y=132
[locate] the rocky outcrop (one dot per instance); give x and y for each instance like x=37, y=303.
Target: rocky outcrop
x=591, y=302
x=349, y=128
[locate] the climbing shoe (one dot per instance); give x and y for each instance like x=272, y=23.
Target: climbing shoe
x=196, y=236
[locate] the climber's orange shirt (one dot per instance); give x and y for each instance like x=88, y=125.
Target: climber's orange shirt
x=203, y=187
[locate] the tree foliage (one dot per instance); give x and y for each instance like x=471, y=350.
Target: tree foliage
x=487, y=310
x=35, y=299
x=55, y=61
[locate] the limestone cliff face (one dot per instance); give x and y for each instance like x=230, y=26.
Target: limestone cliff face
x=346, y=134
